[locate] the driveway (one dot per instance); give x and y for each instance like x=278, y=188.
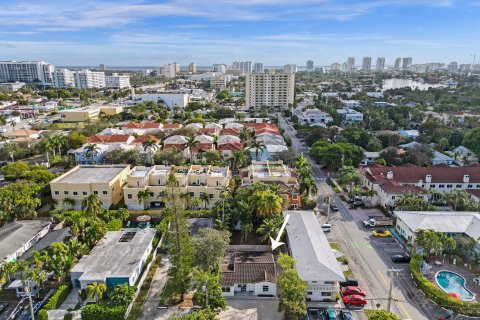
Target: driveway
x=267, y=308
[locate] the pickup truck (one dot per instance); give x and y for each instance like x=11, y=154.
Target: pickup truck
x=378, y=222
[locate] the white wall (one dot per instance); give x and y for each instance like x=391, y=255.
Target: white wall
x=272, y=288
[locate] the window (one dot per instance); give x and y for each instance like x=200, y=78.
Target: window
x=75, y=193
x=265, y=289
x=309, y=293
x=393, y=197
x=84, y=193
x=225, y=289
x=211, y=195
x=449, y=186
x=65, y=192
x=329, y=282
x=478, y=185
x=151, y=194
x=326, y=294
x=160, y=194
x=432, y=186
x=192, y=194
x=57, y=192
x=294, y=196
x=441, y=186
x=458, y=186
x=95, y=192
x=113, y=189
x=129, y=196
x=105, y=192
x=470, y=186
x=314, y=281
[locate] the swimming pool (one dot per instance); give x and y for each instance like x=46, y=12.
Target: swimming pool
x=453, y=282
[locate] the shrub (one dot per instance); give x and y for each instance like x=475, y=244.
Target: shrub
x=68, y=316
x=54, y=302
x=101, y=311
x=114, y=224
x=439, y=296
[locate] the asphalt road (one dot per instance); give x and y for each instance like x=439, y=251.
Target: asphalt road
x=369, y=258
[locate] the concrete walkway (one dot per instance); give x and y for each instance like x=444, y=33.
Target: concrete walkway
x=71, y=301
x=150, y=306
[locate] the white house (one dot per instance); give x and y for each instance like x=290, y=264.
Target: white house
x=351, y=104
x=316, y=117
x=349, y=115
x=117, y=258
x=248, y=273
x=316, y=262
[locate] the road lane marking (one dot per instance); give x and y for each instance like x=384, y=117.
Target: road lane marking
x=385, y=282
x=400, y=304
x=368, y=245
x=355, y=245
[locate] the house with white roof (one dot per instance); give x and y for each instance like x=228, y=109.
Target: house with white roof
x=463, y=156
x=316, y=117
x=451, y=223
x=316, y=262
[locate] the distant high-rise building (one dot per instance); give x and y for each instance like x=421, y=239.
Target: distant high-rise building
x=380, y=66
x=344, y=67
x=168, y=70
x=290, y=68
x=192, y=68
x=367, y=63
x=244, y=66
x=219, y=67
x=350, y=63
x=63, y=78
x=465, y=67
x=116, y=81
x=453, y=67
x=398, y=64
x=271, y=90
x=102, y=67
x=86, y=79
x=27, y=71
x=176, y=66
x=310, y=66
x=258, y=67
x=335, y=67
x=407, y=63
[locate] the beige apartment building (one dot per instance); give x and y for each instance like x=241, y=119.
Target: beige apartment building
x=194, y=180
x=88, y=113
x=106, y=181
x=270, y=90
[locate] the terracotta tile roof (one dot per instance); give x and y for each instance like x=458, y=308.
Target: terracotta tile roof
x=133, y=125
x=233, y=146
x=474, y=192
x=391, y=187
x=172, y=126
x=248, y=267
x=413, y=174
x=109, y=139
x=230, y=131
x=144, y=138
x=202, y=147
x=151, y=125
x=22, y=133
x=210, y=131
x=285, y=188
x=178, y=147
x=267, y=130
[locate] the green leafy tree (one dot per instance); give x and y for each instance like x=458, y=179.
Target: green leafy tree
x=150, y=146
x=292, y=289
x=15, y=170
x=92, y=205
x=381, y=315
x=123, y=294
x=238, y=159
x=205, y=198
x=20, y=199
x=199, y=315
x=270, y=228
x=209, y=290
x=209, y=247
x=144, y=197
x=266, y=203
x=169, y=157
x=39, y=175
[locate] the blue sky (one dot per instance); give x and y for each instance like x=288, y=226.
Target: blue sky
x=275, y=32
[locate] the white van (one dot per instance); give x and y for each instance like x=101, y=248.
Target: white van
x=326, y=227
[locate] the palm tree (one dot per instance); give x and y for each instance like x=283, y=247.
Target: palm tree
x=308, y=187
x=122, y=294
x=270, y=227
x=205, y=198
x=96, y=291
x=91, y=150
x=150, y=145
x=39, y=276
x=301, y=162
x=92, y=205
x=245, y=134
x=46, y=146
x=144, y=197
x=245, y=229
x=370, y=193
x=238, y=159
x=191, y=143
x=258, y=146
x=3, y=121
x=266, y=203
x=13, y=123
x=22, y=266
x=8, y=268
x=187, y=198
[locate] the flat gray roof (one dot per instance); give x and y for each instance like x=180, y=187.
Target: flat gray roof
x=91, y=174
x=111, y=258
x=310, y=248
x=15, y=234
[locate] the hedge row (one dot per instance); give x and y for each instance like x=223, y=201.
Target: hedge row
x=439, y=296
x=101, y=311
x=54, y=302
x=114, y=224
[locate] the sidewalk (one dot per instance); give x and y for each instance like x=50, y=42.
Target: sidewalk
x=150, y=306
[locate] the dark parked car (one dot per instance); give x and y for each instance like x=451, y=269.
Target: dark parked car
x=334, y=208
x=401, y=258
x=345, y=314
x=349, y=282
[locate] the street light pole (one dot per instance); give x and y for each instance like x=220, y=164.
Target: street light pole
x=391, y=273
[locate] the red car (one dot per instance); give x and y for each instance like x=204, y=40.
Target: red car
x=354, y=300
x=346, y=291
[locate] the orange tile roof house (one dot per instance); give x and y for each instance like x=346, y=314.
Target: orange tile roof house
x=116, y=138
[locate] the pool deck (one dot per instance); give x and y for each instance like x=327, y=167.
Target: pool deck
x=464, y=272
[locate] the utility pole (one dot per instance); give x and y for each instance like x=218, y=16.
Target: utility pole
x=391, y=274
x=29, y=295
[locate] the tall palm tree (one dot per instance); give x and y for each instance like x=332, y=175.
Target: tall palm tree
x=301, y=162
x=92, y=205
x=191, y=143
x=187, y=198
x=8, y=268
x=151, y=146
x=245, y=134
x=96, y=291
x=39, y=276
x=270, y=227
x=238, y=159
x=144, y=197
x=258, y=146
x=46, y=146
x=91, y=150
x=205, y=198
x=3, y=121
x=370, y=193
x=13, y=123
x=308, y=187
x=266, y=203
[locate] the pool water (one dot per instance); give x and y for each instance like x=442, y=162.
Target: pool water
x=453, y=282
